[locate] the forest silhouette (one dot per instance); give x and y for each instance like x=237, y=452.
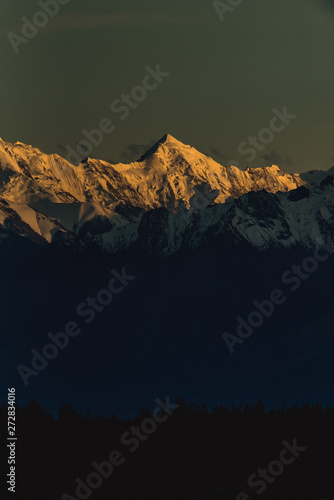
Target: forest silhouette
x=196, y=453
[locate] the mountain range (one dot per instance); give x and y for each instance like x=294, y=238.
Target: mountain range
x=204, y=242
x=171, y=198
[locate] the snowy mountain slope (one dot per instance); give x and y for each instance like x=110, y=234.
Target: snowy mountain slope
x=315, y=177
x=23, y=220
x=262, y=219
x=169, y=172
x=164, y=177
x=173, y=198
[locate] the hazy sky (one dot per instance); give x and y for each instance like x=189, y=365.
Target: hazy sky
x=225, y=77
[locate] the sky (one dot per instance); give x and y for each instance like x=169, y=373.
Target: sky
x=228, y=72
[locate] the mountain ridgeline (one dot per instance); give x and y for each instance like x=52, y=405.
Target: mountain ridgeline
x=172, y=198
x=205, y=243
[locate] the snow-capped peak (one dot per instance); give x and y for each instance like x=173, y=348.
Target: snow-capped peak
x=170, y=175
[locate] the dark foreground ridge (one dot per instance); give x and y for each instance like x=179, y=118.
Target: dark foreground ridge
x=227, y=453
